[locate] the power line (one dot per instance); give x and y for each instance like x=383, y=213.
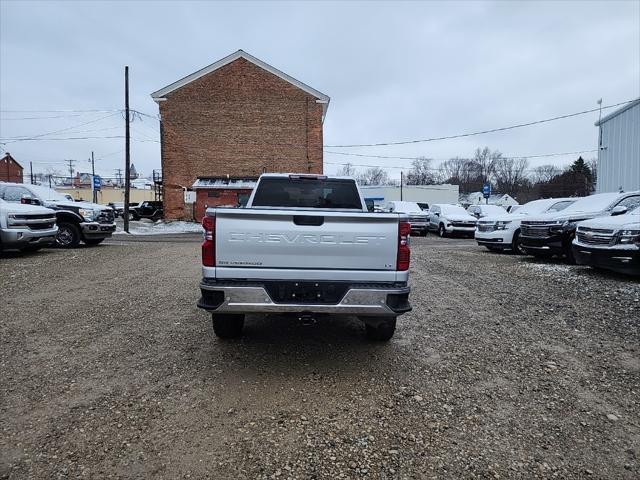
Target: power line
x=33, y=137
x=430, y=158
x=59, y=111
x=42, y=118
x=65, y=138
x=481, y=132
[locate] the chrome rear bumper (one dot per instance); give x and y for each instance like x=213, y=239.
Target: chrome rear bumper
x=255, y=299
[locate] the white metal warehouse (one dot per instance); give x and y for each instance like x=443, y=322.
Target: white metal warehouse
x=619, y=150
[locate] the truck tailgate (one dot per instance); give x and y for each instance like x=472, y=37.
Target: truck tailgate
x=296, y=239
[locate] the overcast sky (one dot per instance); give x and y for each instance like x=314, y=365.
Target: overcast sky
x=394, y=71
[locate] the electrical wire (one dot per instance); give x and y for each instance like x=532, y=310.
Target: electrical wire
x=481, y=132
x=425, y=157
x=35, y=137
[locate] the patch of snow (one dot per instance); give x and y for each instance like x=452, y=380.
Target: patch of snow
x=550, y=268
x=148, y=227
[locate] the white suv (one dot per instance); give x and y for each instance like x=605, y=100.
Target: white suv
x=502, y=232
x=418, y=218
x=480, y=211
x=451, y=219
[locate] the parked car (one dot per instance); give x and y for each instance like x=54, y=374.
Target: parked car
x=305, y=245
x=612, y=243
x=451, y=220
x=118, y=207
x=481, y=211
x=77, y=221
x=147, y=209
x=417, y=217
x=552, y=233
x=502, y=232
x=513, y=208
x=26, y=227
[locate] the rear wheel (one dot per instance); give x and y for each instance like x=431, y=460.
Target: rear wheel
x=94, y=241
x=441, y=231
x=227, y=325
x=68, y=235
x=382, y=330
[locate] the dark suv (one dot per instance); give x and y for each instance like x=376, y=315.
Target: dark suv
x=551, y=234
x=147, y=209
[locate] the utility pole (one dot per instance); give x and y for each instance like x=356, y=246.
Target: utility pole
x=71, y=162
x=127, y=152
x=31, y=171
x=93, y=176
x=401, y=181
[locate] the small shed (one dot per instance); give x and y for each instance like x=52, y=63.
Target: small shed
x=221, y=192
x=10, y=169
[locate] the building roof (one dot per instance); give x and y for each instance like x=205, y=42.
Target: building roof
x=617, y=112
x=321, y=97
x=225, y=182
x=7, y=156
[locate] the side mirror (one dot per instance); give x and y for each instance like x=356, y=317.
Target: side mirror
x=619, y=210
x=26, y=199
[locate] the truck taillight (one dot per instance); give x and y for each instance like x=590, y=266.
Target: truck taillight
x=209, y=244
x=404, y=254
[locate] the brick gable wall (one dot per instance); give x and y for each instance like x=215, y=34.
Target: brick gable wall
x=237, y=121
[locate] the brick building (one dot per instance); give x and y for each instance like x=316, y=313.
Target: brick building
x=236, y=118
x=10, y=169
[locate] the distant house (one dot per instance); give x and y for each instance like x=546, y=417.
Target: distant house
x=475, y=198
x=10, y=169
x=82, y=180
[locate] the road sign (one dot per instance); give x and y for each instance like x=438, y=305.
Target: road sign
x=486, y=190
x=97, y=182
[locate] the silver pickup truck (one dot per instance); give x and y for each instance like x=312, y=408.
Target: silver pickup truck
x=305, y=245
x=26, y=227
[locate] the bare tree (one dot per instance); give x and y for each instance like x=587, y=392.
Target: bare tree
x=347, y=170
x=373, y=176
x=421, y=172
x=510, y=174
x=454, y=169
x=545, y=173
x=463, y=172
x=485, y=162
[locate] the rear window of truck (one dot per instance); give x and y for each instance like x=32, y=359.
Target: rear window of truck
x=307, y=193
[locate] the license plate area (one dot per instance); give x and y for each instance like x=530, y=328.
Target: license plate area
x=328, y=293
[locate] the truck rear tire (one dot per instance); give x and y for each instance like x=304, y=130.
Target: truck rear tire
x=227, y=325
x=381, y=331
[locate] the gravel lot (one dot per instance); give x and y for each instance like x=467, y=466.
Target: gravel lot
x=506, y=368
